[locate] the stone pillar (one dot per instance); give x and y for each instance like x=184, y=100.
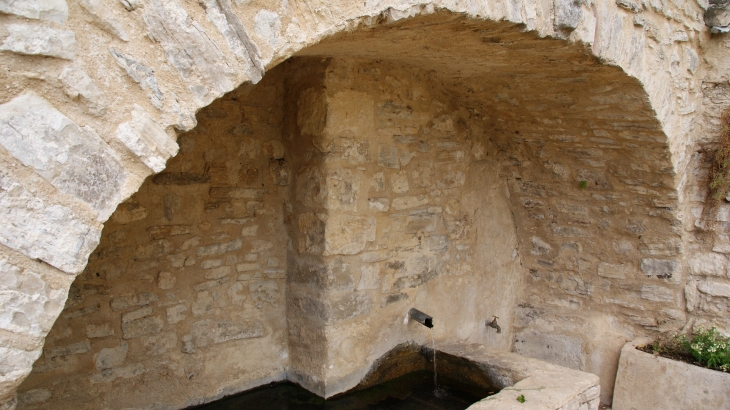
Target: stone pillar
x=327, y=222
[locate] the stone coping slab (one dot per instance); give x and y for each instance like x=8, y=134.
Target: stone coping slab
x=645, y=381
x=544, y=386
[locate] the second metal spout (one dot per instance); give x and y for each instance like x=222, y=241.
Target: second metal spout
x=494, y=324
x=421, y=317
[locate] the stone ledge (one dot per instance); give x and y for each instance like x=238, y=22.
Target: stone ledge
x=545, y=386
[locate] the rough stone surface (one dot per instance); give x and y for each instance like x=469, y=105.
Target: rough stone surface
x=144, y=137
x=52, y=10
x=78, y=85
x=38, y=229
x=221, y=14
x=38, y=40
x=103, y=16
x=597, y=144
x=189, y=49
x=632, y=391
x=75, y=160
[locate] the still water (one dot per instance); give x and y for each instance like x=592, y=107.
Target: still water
x=414, y=391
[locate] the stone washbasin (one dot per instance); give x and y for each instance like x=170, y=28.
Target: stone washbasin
x=544, y=386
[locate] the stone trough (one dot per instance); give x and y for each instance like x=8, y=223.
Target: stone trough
x=645, y=381
x=544, y=386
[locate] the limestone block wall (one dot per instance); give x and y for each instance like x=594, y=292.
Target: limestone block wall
x=95, y=95
x=183, y=300
x=397, y=203
x=301, y=220
x=708, y=244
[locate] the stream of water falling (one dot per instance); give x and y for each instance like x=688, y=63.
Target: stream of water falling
x=435, y=376
x=439, y=393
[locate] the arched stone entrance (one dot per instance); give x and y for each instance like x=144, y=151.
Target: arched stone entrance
x=588, y=122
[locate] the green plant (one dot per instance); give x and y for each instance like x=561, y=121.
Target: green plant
x=521, y=398
x=708, y=347
x=583, y=184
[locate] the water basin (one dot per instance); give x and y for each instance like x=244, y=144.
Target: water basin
x=413, y=391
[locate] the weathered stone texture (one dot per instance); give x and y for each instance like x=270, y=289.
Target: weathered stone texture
x=144, y=137
x=38, y=229
x=436, y=129
x=78, y=85
x=52, y=10
x=189, y=50
x=38, y=40
x=105, y=18
x=173, y=280
x=75, y=160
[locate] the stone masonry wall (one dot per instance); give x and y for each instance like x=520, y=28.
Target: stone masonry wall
x=96, y=93
x=590, y=180
x=183, y=300
x=396, y=204
x=389, y=200
x=707, y=289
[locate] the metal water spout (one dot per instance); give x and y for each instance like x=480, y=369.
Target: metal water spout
x=494, y=324
x=421, y=317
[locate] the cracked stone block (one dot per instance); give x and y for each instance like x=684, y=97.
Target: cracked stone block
x=78, y=85
x=73, y=159
x=714, y=288
x=39, y=40
x=176, y=313
x=657, y=293
x=312, y=114
x=660, y=268
x=104, y=18
x=407, y=202
x=221, y=14
x=67, y=350
x=141, y=74
x=51, y=10
x=612, y=271
x=16, y=364
x=166, y=280
x=342, y=189
x=379, y=204
x=136, y=314
x=348, y=235
x=349, y=113
x=189, y=49
x=109, y=357
x=388, y=156
x=267, y=26
x=99, y=331
x=43, y=230
x=718, y=14
x=205, y=332
x=146, y=326
x=708, y=264
x=146, y=139
x=34, y=396
x=261, y=292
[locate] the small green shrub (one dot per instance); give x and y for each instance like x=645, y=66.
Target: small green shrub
x=708, y=347
x=521, y=398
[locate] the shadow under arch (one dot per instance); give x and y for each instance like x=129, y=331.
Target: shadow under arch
x=512, y=123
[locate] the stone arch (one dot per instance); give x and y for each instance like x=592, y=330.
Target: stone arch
x=91, y=137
